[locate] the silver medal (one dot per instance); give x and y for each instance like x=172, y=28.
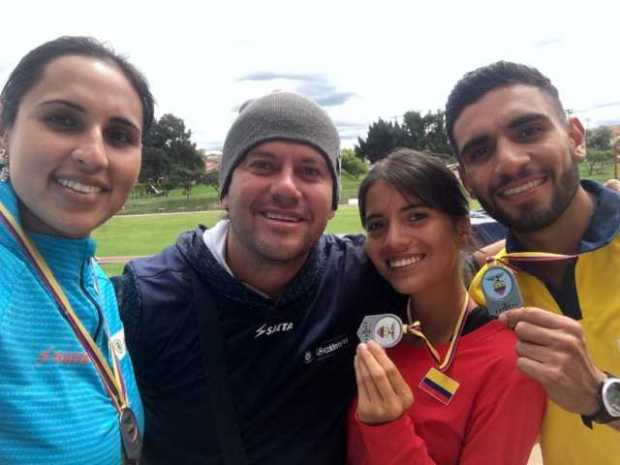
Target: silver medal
x=500, y=289
x=130, y=437
x=386, y=329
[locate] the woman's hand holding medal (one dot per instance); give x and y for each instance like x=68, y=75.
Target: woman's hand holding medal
x=383, y=393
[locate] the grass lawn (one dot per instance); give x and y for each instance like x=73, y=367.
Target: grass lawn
x=128, y=235
x=148, y=234
x=204, y=198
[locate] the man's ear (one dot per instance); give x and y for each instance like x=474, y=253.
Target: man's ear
x=577, y=136
x=224, y=202
x=464, y=181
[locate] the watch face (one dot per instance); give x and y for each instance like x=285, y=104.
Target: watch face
x=611, y=397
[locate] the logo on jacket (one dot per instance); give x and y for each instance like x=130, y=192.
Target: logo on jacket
x=327, y=349
x=117, y=344
x=268, y=330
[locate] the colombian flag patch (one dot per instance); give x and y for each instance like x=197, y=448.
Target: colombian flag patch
x=439, y=385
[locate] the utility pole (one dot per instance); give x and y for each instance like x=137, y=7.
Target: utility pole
x=616, y=157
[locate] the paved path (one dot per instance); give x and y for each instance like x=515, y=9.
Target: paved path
x=185, y=212
x=119, y=259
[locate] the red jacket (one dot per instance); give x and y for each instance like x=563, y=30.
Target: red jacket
x=493, y=418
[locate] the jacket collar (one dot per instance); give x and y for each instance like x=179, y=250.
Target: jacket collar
x=62, y=254
x=192, y=246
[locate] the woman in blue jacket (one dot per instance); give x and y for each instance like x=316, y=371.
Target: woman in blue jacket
x=72, y=118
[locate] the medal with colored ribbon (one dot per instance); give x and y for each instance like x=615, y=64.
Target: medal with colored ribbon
x=499, y=284
x=388, y=330
x=110, y=376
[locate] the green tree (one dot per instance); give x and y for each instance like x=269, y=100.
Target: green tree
x=598, y=138
x=212, y=179
x=419, y=132
x=383, y=137
x=596, y=158
x=155, y=164
x=352, y=164
x=169, y=157
x=426, y=133
x=436, y=135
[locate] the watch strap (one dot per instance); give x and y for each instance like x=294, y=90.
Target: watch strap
x=601, y=416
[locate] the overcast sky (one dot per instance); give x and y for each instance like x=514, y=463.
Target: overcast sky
x=203, y=58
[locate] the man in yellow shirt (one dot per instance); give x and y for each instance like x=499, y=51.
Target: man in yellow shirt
x=518, y=154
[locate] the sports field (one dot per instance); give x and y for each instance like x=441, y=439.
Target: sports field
x=133, y=235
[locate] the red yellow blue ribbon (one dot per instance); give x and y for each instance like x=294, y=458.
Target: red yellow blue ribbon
x=515, y=259
x=415, y=328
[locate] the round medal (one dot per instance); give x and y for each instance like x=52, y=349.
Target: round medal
x=386, y=329
x=130, y=435
x=500, y=289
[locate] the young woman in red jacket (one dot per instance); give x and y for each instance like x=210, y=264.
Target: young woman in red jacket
x=449, y=392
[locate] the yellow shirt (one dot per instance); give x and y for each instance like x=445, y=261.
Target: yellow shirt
x=565, y=440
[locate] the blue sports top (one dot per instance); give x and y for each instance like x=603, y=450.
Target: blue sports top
x=53, y=406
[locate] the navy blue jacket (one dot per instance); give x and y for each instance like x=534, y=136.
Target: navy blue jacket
x=289, y=361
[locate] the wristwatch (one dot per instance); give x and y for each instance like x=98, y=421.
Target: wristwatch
x=609, y=403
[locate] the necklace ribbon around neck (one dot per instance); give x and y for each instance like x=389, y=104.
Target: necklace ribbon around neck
x=514, y=260
x=110, y=376
x=415, y=328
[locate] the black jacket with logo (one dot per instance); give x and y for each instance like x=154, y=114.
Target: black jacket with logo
x=289, y=361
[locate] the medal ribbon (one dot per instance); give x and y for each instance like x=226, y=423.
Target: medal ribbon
x=415, y=328
x=514, y=259
x=111, y=378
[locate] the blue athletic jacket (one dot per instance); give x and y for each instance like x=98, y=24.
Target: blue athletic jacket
x=289, y=361
x=53, y=406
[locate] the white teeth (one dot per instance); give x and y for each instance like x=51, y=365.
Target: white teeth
x=522, y=188
x=281, y=217
x=78, y=187
x=402, y=262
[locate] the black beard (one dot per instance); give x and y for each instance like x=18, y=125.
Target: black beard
x=530, y=218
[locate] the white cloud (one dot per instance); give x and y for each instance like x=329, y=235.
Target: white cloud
x=393, y=56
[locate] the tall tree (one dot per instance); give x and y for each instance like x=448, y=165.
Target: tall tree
x=427, y=133
x=169, y=157
x=414, y=128
x=436, y=134
x=599, y=138
x=597, y=158
x=419, y=132
x=383, y=137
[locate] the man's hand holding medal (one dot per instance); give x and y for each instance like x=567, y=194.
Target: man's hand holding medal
x=552, y=350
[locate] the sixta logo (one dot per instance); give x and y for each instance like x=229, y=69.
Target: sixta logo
x=268, y=330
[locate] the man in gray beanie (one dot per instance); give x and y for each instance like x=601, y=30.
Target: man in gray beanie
x=281, y=116
x=243, y=335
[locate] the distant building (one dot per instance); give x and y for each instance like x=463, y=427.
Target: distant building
x=615, y=133
x=212, y=160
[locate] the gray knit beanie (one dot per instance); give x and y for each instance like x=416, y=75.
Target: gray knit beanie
x=281, y=116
